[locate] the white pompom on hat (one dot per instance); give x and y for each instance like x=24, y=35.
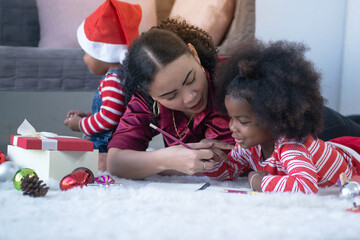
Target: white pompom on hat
x=107, y=33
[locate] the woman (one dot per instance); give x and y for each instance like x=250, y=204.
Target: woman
x=170, y=71
x=170, y=80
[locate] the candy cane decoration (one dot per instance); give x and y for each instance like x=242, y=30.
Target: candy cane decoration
x=105, y=179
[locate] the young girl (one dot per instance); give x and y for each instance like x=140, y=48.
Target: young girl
x=170, y=84
x=272, y=96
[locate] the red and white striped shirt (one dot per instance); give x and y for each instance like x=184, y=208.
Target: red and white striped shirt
x=112, y=107
x=293, y=166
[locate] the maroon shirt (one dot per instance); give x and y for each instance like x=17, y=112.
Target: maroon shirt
x=134, y=132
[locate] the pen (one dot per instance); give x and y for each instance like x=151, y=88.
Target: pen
x=206, y=185
x=239, y=191
x=170, y=136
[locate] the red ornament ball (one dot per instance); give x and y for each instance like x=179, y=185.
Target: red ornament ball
x=2, y=157
x=78, y=178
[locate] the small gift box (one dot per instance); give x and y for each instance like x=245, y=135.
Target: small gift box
x=51, y=155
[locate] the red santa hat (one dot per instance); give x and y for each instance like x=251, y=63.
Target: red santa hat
x=107, y=32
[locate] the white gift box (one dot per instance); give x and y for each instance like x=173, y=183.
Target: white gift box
x=50, y=155
x=53, y=164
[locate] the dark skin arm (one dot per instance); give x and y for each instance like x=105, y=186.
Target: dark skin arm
x=256, y=179
x=217, y=147
x=73, y=119
x=73, y=123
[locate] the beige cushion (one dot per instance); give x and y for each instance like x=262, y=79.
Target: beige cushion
x=163, y=8
x=149, y=15
x=242, y=28
x=59, y=19
x=213, y=16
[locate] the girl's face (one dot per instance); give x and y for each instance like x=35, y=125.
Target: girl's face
x=247, y=130
x=181, y=85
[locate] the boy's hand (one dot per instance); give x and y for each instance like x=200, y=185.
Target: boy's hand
x=73, y=123
x=72, y=113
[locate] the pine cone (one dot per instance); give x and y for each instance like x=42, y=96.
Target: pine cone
x=33, y=187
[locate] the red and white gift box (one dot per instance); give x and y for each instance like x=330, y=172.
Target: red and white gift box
x=56, y=143
x=51, y=157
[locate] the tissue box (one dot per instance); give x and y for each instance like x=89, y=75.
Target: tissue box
x=53, y=157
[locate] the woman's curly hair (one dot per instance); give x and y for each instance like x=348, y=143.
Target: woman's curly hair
x=161, y=45
x=282, y=87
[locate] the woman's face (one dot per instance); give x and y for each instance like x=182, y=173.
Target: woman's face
x=247, y=130
x=181, y=85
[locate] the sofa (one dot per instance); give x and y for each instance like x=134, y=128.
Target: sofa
x=26, y=67
x=42, y=74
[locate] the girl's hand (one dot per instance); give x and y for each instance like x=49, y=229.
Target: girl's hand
x=217, y=146
x=188, y=161
x=73, y=123
x=255, y=179
x=72, y=113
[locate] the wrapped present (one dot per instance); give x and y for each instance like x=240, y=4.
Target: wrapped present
x=51, y=155
x=55, y=143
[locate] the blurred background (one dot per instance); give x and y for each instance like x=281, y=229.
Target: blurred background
x=330, y=28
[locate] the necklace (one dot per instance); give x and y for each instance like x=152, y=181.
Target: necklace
x=186, y=127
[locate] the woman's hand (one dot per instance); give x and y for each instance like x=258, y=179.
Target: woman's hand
x=141, y=164
x=217, y=146
x=73, y=123
x=72, y=113
x=189, y=161
x=255, y=179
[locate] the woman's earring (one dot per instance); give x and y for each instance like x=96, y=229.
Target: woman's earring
x=202, y=68
x=156, y=108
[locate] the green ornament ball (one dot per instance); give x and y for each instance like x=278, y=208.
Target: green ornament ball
x=19, y=175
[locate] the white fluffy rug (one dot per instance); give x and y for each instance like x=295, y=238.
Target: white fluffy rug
x=144, y=210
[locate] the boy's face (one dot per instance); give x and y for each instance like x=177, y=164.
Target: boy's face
x=95, y=66
x=247, y=130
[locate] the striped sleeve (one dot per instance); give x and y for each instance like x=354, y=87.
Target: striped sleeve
x=302, y=175
x=228, y=171
x=111, y=110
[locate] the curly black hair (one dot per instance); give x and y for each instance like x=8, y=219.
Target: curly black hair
x=161, y=45
x=281, y=86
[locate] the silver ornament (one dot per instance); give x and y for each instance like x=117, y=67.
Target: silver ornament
x=7, y=170
x=350, y=190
